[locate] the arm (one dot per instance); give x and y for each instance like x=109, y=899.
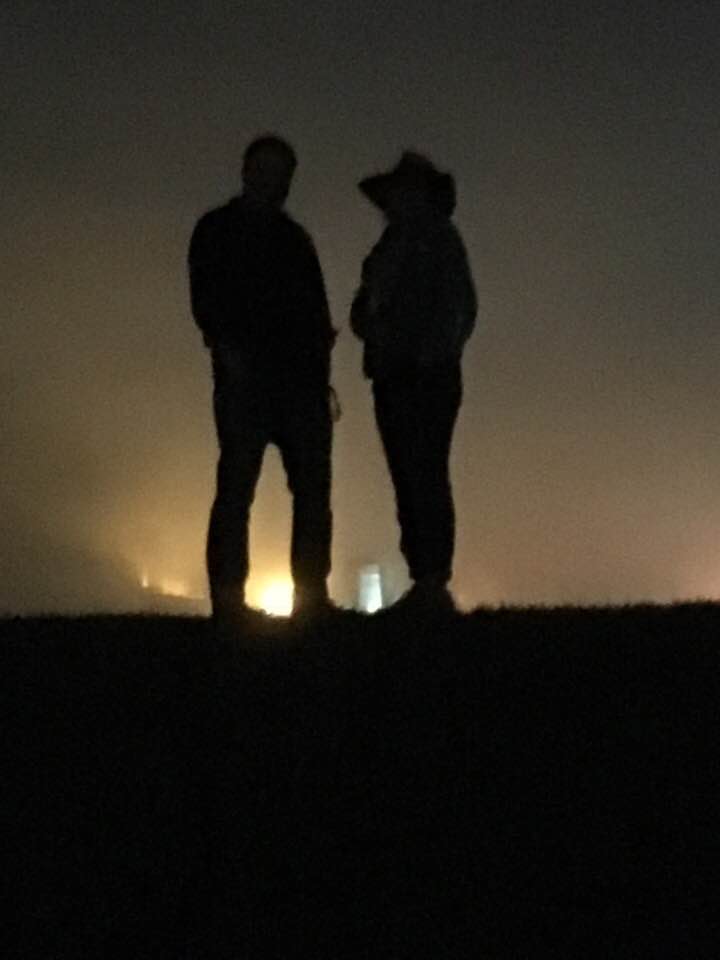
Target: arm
x=381, y=276
x=205, y=295
x=360, y=313
x=320, y=308
x=466, y=304
x=321, y=333
x=460, y=292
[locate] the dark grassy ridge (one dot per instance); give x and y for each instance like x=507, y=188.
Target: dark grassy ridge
x=503, y=784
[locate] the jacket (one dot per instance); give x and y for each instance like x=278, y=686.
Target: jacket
x=416, y=304
x=256, y=287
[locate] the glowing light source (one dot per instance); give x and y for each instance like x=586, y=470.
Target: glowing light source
x=173, y=588
x=276, y=598
x=370, y=598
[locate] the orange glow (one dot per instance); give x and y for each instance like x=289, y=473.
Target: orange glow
x=170, y=587
x=276, y=597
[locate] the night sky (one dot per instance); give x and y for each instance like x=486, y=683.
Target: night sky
x=585, y=140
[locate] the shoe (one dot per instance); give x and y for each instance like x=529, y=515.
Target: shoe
x=238, y=620
x=314, y=611
x=427, y=595
x=312, y=606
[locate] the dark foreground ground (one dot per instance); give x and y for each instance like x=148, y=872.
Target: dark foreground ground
x=505, y=784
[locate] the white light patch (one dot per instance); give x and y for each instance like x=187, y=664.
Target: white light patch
x=370, y=598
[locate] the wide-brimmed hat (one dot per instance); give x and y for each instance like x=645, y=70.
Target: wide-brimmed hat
x=413, y=170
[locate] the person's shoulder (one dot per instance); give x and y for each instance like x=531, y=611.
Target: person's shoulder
x=215, y=217
x=211, y=223
x=394, y=234
x=450, y=235
x=296, y=231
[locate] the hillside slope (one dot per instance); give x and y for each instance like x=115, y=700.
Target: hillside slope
x=502, y=784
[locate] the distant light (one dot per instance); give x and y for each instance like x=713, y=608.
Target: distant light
x=370, y=598
x=169, y=587
x=276, y=598
x=145, y=580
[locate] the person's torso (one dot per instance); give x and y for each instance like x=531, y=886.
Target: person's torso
x=263, y=264
x=416, y=266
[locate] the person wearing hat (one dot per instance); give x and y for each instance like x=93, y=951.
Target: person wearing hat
x=258, y=296
x=414, y=311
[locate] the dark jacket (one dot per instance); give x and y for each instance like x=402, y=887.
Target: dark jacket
x=257, y=288
x=416, y=304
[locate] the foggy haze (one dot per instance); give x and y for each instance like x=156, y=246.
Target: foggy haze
x=584, y=138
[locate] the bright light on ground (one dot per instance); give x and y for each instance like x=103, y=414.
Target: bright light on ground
x=167, y=586
x=370, y=598
x=276, y=598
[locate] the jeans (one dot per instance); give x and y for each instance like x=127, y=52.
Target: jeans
x=253, y=409
x=416, y=417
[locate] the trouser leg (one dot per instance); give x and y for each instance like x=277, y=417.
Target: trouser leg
x=227, y=541
x=305, y=444
x=392, y=416
x=416, y=422
x=242, y=440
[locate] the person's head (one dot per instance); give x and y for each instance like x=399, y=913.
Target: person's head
x=414, y=186
x=268, y=167
x=407, y=197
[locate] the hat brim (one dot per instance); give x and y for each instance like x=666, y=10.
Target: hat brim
x=378, y=189
x=439, y=188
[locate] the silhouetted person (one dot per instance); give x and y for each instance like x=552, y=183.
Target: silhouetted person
x=259, y=299
x=414, y=311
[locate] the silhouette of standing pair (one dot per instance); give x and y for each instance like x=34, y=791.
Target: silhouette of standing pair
x=258, y=297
